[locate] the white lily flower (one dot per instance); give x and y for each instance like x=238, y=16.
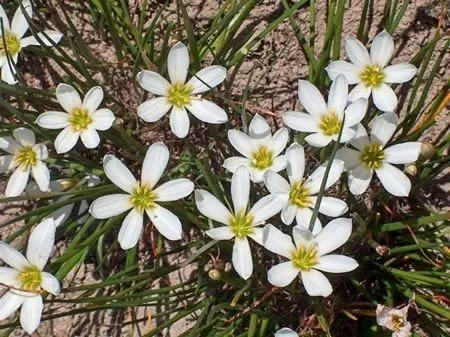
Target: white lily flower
x=25, y=276
x=142, y=196
x=179, y=95
x=372, y=155
x=395, y=320
x=371, y=73
x=12, y=40
x=241, y=223
x=286, y=332
x=325, y=120
x=299, y=194
x=260, y=149
x=25, y=157
x=82, y=119
x=308, y=254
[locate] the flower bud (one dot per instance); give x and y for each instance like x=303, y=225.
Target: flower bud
x=215, y=274
x=411, y=169
x=427, y=151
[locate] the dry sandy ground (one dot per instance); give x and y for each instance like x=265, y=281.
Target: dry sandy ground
x=279, y=81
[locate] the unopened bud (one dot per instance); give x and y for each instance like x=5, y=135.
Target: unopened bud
x=427, y=151
x=411, y=169
x=215, y=275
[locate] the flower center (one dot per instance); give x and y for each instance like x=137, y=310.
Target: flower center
x=372, y=156
x=26, y=157
x=11, y=42
x=242, y=224
x=31, y=278
x=398, y=322
x=80, y=119
x=262, y=158
x=330, y=124
x=143, y=198
x=372, y=76
x=300, y=195
x=179, y=94
x=305, y=257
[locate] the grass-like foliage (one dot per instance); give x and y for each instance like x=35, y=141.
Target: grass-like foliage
x=154, y=164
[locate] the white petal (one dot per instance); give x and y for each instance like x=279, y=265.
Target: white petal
x=119, y=174
x=9, y=277
x=282, y=274
x=4, y=19
x=155, y=162
x=383, y=127
x=335, y=263
x=93, y=99
x=165, y=222
x=355, y=112
x=394, y=180
x=347, y=135
x=41, y=151
x=402, y=153
x=302, y=236
x=242, y=258
x=178, y=63
x=12, y=257
x=295, y=167
x=102, y=119
x=288, y=214
x=9, y=71
x=361, y=139
x=357, y=52
x=153, y=109
x=19, y=24
x=318, y=140
x=110, y=205
x=399, y=73
x=131, y=229
x=174, y=189
x=259, y=128
x=300, y=121
x=240, y=189
x=207, y=78
x=17, y=182
x=24, y=136
x=276, y=183
x=384, y=98
x=40, y=243
x=207, y=111
x=382, y=49
x=220, y=233
x=241, y=142
x=316, y=284
x=286, y=332
x=66, y=140
x=359, y=91
x=153, y=82
x=257, y=235
x=315, y=179
x=53, y=38
x=266, y=207
x=333, y=235
x=333, y=207
x=349, y=70
x=31, y=312
x=311, y=98
x=279, y=141
x=53, y=120
x=50, y=283
x=9, y=144
x=9, y=303
x=211, y=207
x=277, y=242
x=62, y=214
x=359, y=179
x=233, y=163
x=90, y=138
x=68, y=97
x=337, y=98
x=279, y=163
x=350, y=157
x=303, y=219
x=6, y=162
x=179, y=122
x=256, y=175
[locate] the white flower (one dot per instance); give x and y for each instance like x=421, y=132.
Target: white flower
x=395, y=320
x=241, y=223
x=370, y=73
x=325, y=121
x=82, y=118
x=180, y=95
x=309, y=254
x=299, y=194
x=142, y=196
x=260, y=149
x=371, y=155
x=12, y=40
x=26, y=278
x=25, y=157
x=286, y=332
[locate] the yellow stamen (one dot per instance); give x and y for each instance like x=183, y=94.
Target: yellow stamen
x=179, y=94
x=26, y=157
x=31, y=278
x=242, y=224
x=12, y=43
x=80, y=119
x=300, y=195
x=330, y=124
x=372, y=76
x=372, y=156
x=262, y=158
x=143, y=198
x=305, y=257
